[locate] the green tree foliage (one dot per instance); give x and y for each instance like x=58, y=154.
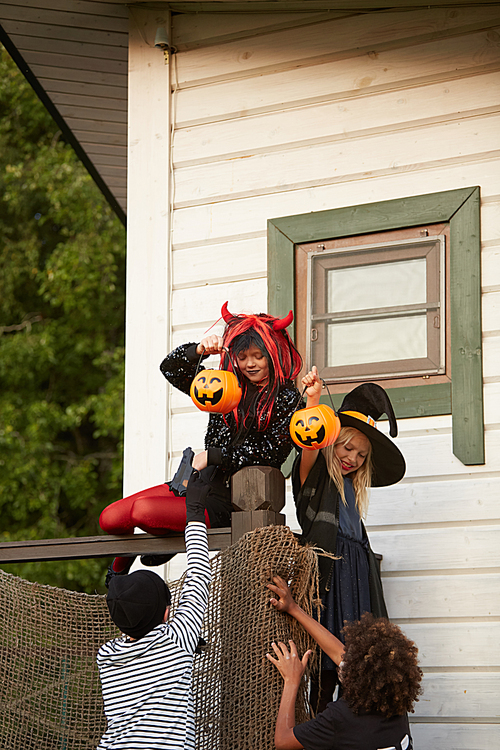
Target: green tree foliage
x=62, y=260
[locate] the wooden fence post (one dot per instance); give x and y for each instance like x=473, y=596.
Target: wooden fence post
x=257, y=495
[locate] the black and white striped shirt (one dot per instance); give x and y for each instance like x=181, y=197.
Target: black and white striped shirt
x=146, y=684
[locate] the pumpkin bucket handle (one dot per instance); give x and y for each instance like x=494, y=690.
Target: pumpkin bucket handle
x=235, y=369
x=230, y=359
x=301, y=396
x=325, y=385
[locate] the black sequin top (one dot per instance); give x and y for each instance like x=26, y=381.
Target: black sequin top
x=228, y=447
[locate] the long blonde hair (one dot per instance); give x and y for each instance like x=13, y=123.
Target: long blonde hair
x=361, y=478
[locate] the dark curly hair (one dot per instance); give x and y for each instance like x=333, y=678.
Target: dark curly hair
x=379, y=672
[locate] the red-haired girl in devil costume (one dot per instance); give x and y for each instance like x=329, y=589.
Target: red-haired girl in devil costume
x=255, y=433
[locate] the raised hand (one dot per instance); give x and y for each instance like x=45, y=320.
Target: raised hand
x=285, y=600
x=210, y=345
x=288, y=664
x=313, y=385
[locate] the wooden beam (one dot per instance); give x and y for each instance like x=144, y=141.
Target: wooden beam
x=79, y=548
x=306, y=6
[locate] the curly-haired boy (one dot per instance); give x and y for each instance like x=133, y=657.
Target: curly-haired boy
x=380, y=680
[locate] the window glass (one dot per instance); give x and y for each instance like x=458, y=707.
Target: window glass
x=371, y=341
x=378, y=310
x=377, y=285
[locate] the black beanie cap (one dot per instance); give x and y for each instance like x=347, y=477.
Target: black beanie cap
x=137, y=602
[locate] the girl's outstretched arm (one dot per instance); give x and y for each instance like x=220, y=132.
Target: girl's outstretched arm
x=284, y=602
x=312, y=383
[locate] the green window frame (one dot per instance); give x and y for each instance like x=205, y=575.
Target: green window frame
x=463, y=398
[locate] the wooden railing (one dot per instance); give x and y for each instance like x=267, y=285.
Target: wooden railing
x=257, y=492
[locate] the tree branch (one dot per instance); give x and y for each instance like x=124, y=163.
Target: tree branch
x=27, y=322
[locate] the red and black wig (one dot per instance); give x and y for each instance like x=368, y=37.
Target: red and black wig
x=269, y=335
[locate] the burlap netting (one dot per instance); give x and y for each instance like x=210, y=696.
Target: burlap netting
x=50, y=696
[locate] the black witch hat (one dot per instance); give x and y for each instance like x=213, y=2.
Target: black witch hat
x=360, y=409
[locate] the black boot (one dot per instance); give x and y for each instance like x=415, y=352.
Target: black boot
x=119, y=567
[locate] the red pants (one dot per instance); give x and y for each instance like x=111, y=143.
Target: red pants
x=155, y=510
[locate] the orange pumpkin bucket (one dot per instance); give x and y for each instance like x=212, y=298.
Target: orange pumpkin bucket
x=215, y=391
x=314, y=427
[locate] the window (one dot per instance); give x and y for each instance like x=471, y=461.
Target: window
x=460, y=384
x=377, y=310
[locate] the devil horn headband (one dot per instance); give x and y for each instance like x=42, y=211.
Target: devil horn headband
x=278, y=325
x=225, y=313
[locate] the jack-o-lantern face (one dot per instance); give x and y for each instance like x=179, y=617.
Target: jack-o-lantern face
x=215, y=391
x=315, y=427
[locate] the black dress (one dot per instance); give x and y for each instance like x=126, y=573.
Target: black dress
x=351, y=585
x=347, y=593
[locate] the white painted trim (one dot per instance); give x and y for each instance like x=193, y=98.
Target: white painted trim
x=148, y=271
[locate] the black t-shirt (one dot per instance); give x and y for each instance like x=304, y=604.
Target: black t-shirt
x=338, y=728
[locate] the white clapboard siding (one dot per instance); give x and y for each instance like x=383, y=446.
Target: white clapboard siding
x=392, y=69
x=433, y=456
x=456, y=548
x=491, y=353
x=216, y=221
x=339, y=36
x=456, y=500
x=205, y=305
x=456, y=736
x=418, y=426
x=459, y=694
x=328, y=162
x=237, y=260
x=491, y=310
x=208, y=29
x=337, y=120
x=492, y=400
x=490, y=262
x=442, y=596
x=490, y=210
x=188, y=429
x=182, y=335
x=456, y=644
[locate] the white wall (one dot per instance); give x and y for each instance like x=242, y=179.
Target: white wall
x=148, y=257
x=284, y=114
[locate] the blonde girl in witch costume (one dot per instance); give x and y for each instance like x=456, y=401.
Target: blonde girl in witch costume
x=331, y=492
x=255, y=433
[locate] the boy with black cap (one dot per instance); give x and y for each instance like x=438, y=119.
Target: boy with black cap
x=146, y=673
